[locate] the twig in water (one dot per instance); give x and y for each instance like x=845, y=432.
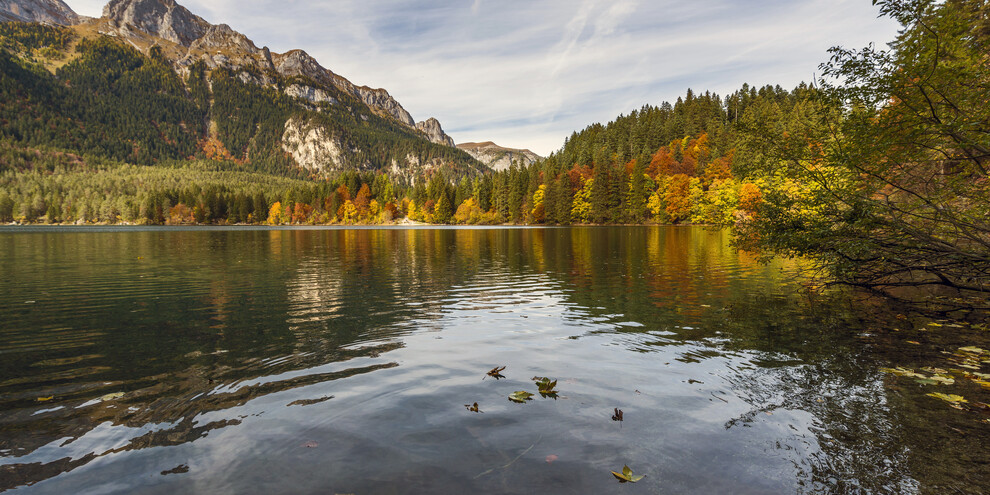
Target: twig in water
x=513, y=461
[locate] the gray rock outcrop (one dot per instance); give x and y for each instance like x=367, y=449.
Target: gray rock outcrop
x=162, y=18
x=44, y=11
x=497, y=157
x=431, y=127
x=312, y=147
x=300, y=63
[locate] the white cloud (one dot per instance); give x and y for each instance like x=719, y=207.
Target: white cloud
x=527, y=74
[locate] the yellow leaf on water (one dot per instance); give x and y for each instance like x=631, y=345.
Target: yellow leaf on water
x=974, y=350
x=45, y=399
x=626, y=476
x=950, y=398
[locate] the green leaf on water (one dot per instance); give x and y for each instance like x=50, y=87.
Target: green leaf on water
x=545, y=386
x=627, y=475
x=520, y=396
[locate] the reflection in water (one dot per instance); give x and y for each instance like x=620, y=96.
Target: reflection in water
x=126, y=354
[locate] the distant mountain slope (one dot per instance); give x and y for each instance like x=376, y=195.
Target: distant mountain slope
x=497, y=157
x=46, y=11
x=151, y=81
x=221, y=46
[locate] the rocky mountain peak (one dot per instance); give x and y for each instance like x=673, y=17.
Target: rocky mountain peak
x=299, y=63
x=44, y=11
x=431, y=127
x=497, y=157
x=162, y=18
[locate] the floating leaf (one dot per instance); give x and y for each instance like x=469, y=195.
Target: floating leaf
x=914, y=342
x=310, y=445
x=520, y=396
x=45, y=399
x=974, y=350
x=309, y=402
x=473, y=408
x=111, y=396
x=982, y=383
x=617, y=416
x=627, y=475
x=496, y=372
x=551, y=458
x=903, y=372
x=180, y=469
x=546, y=386
x=952, y=399
x=926, y=381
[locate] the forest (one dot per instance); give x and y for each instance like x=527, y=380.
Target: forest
x=878, y=170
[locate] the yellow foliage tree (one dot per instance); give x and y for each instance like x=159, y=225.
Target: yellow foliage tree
x=350, y=212
x=275, y=214
x=538, y=213
x=468, y=212
x=581, y=207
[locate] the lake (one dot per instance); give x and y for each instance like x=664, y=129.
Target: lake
x=252, y=360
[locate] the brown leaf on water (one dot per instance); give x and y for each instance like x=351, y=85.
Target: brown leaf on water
x=473, y=408
x=310, y=445
x=180, y=469
x=309, y=402
x=617, y=416
x=496, y=372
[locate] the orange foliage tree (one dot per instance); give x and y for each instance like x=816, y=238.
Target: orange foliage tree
x=678, y=198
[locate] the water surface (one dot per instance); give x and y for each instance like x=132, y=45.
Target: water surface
x=341, y=360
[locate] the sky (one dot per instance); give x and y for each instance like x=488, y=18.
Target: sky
x=526, y=74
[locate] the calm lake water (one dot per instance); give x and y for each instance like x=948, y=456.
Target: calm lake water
x=340, y=361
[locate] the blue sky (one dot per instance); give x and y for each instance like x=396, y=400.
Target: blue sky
x=526, y=74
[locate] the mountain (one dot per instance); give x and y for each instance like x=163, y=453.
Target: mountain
x=45, y=11
x=221, y=46
x=497, y=157
x=150, y=81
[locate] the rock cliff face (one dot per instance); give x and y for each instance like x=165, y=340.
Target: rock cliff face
x=311, y=146
x=300, y=63
x=431, y=127
x=46, y=11
x=497, y=157
x=162, y=18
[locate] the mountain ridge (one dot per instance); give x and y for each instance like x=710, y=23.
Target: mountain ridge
x=348, y=135
x=168, y=20
x=497, y=157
